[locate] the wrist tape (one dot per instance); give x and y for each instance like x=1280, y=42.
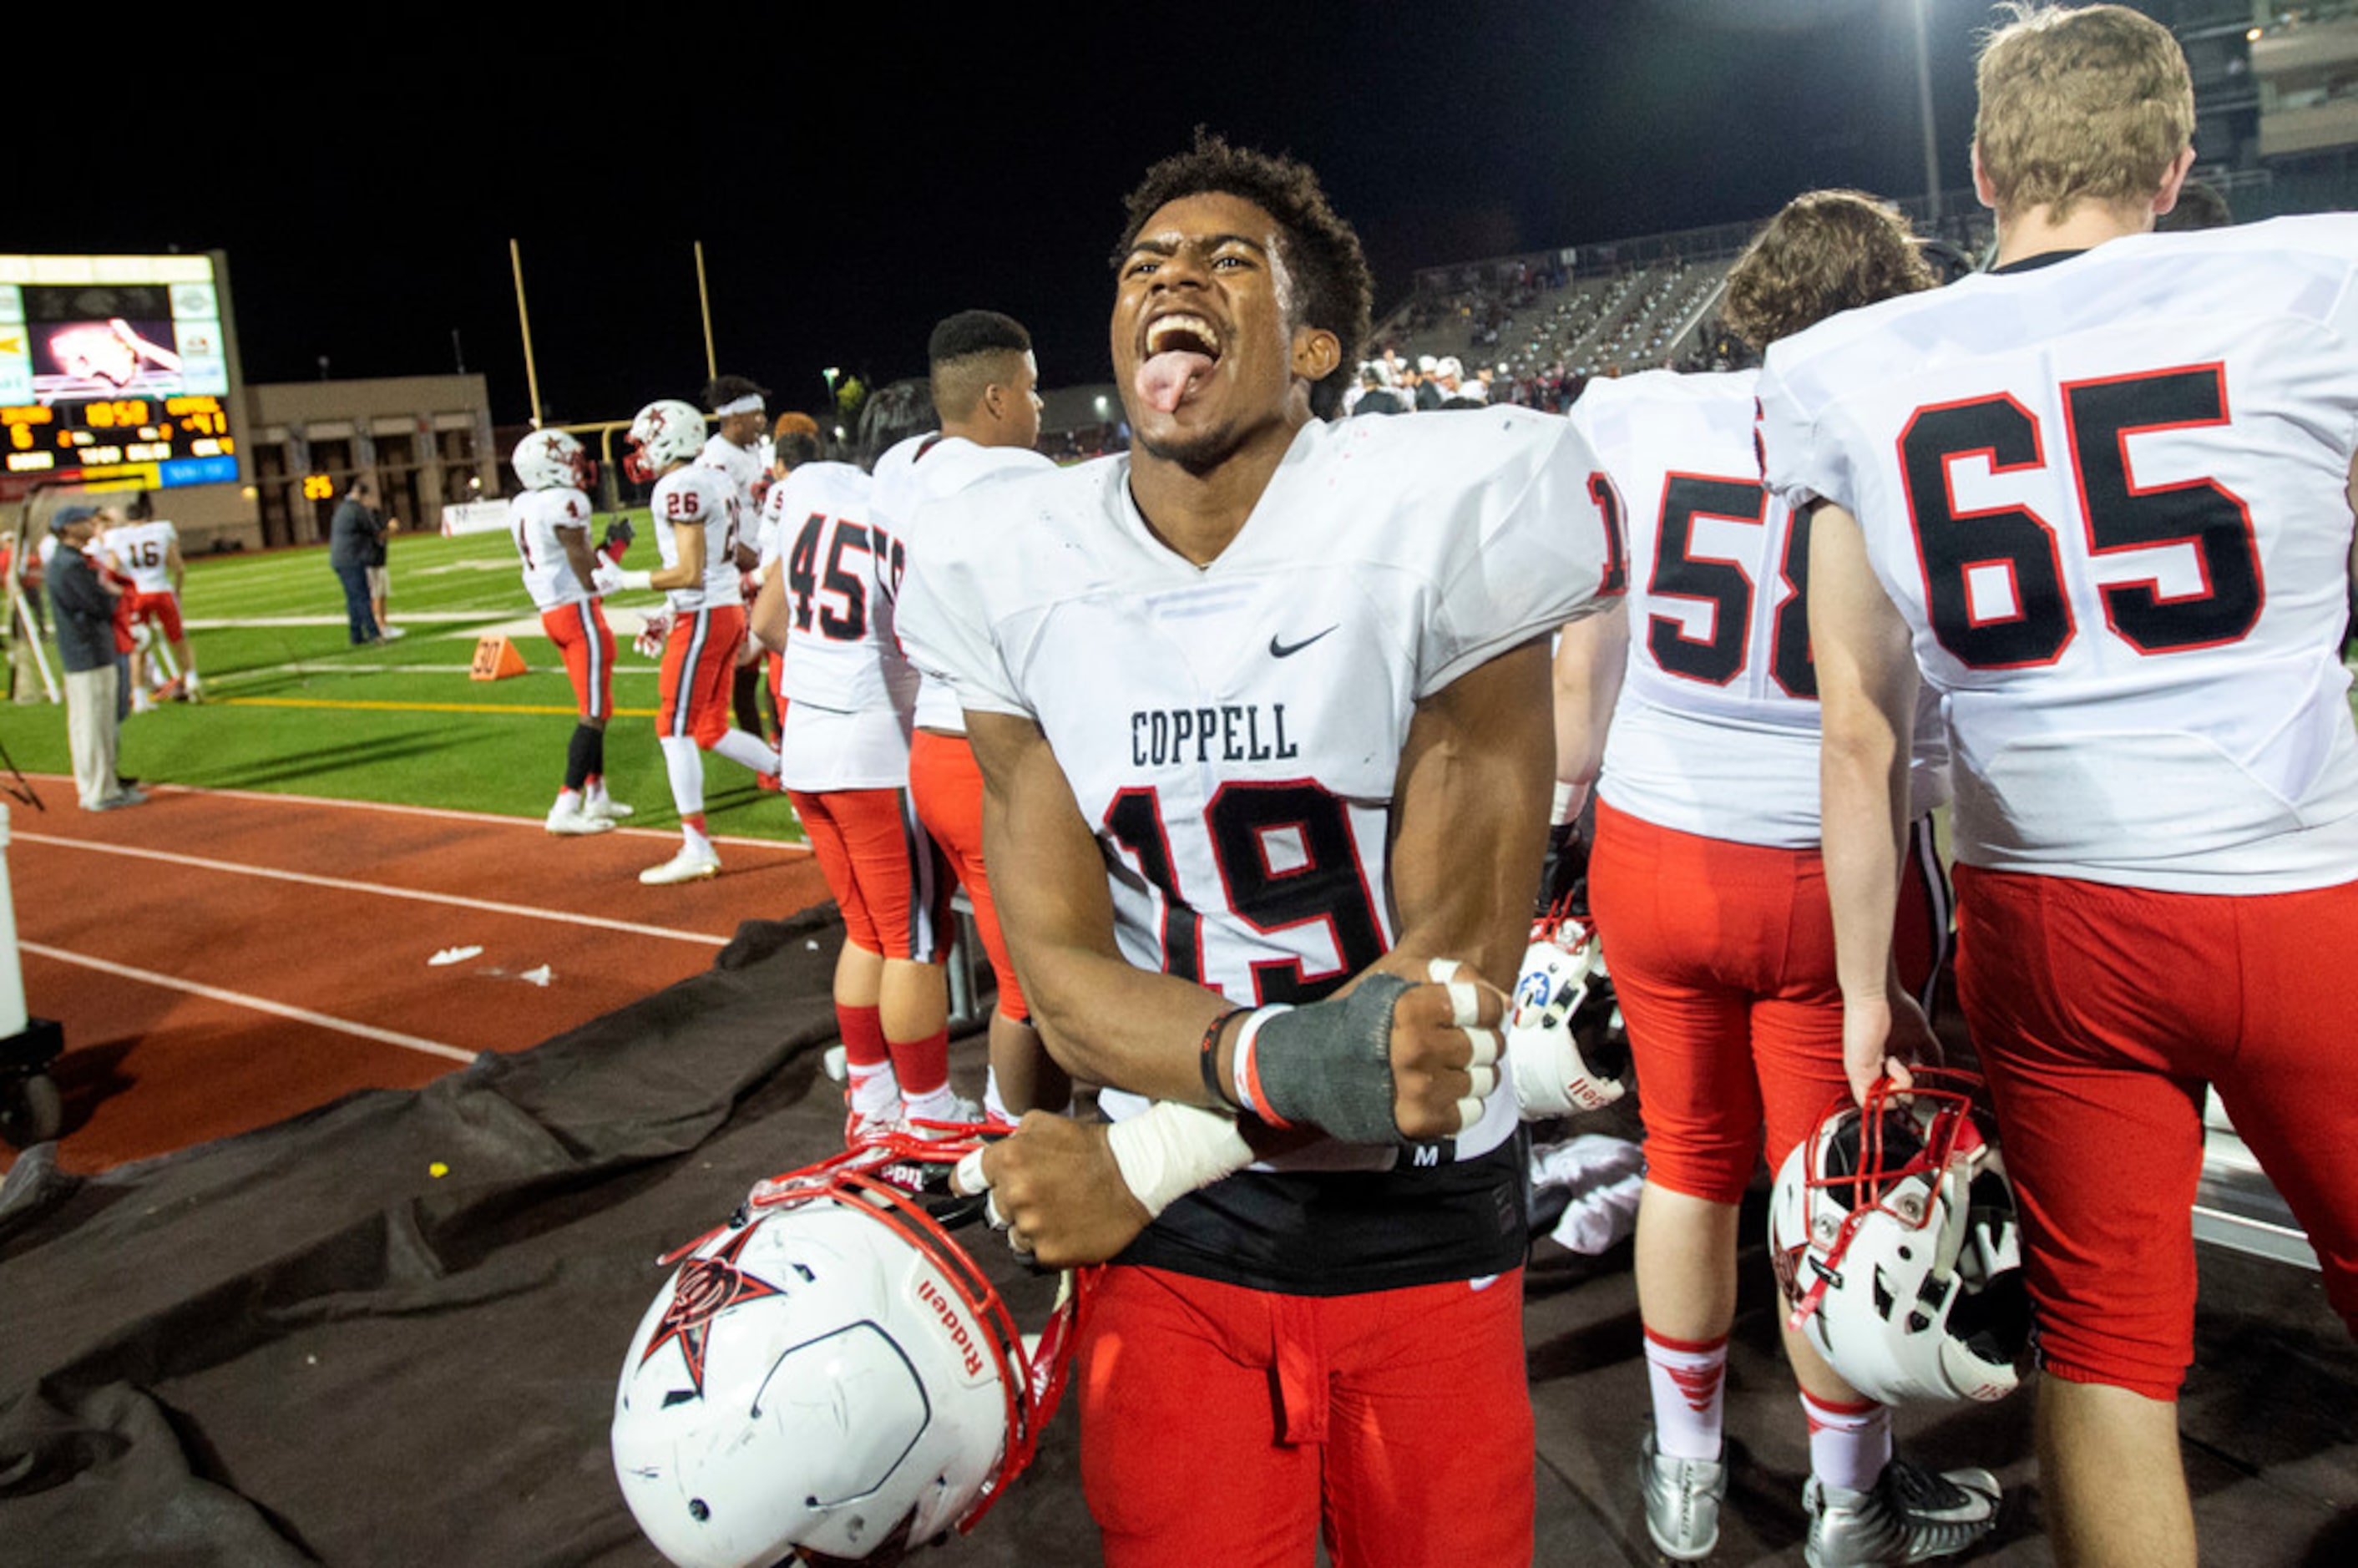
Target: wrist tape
x=1170, y=1149
x=1328, y=1063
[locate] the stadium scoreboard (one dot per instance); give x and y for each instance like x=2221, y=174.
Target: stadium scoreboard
x=115, y=369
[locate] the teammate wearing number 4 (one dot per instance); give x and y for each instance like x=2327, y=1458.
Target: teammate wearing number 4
x=1709, y=890
x=2101, y=497
x=550, y=524
x=1253, y=709
x=694, y=515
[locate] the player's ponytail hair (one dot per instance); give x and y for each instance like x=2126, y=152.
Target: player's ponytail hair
x=1828, y=251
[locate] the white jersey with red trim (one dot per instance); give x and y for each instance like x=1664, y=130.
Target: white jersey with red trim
x=533, y=519
x=745, y=470
x=144, y=551
x=1716, y=730
x=706, y=499
x=916, y=484
x=2108, y=494
x=1232, y=732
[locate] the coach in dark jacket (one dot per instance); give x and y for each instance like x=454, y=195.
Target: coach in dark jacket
x=355, y=542
x=85, y=618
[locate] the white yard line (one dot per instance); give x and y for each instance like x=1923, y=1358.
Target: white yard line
x=341, y=885
x=259, y=1004
x=154, y=786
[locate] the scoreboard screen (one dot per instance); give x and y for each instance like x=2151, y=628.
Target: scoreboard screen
x=114, y=368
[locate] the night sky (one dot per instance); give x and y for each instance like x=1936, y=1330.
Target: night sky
x=853, y=181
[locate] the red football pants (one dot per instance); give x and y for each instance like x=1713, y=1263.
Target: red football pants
x=1226, y=1425
x=887, y=876
x=948, y=790
x=1723, y=959
x=2100, y=1012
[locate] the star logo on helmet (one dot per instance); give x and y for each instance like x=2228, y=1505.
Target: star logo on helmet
x=706, y=1288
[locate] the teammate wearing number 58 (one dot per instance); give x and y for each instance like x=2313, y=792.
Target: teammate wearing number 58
x=1258, y=712
x=2098, y=498
x=695, y=514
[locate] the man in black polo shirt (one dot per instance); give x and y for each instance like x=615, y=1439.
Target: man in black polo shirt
x=85, y=618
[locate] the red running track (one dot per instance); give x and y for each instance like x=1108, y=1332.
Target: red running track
x=221, y=961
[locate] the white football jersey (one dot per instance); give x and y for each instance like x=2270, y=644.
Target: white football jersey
x=705, y=497
x=144, y=551
x=1716, y=730
x=533, y=519
x=905, y=500
x=2107, y=493
x=745, y=470
x=1231, y=733
x=842, y=576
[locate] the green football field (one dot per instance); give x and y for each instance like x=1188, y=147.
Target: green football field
x=291, y=706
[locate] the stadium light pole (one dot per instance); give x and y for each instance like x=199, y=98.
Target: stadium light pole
x=1924, y=108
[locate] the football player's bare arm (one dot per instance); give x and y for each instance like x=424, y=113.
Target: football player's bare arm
x=1469, y=821
x=575, y=543
x=687, y=538
x=176, y=567
x=1103, y=1018
x=1866, y=701
x=770, y=615
x=1591, y=657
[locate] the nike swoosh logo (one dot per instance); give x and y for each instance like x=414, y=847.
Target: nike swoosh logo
x=1278, y=650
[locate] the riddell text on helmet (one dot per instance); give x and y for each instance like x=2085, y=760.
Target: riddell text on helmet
x=951, y=1320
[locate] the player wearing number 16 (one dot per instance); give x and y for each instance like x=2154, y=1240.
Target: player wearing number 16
x=1260, y=711
x=2098, y=498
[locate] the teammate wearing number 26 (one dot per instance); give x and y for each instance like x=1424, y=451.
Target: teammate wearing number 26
x=696, y=522
x=2101, y=496
x=1259, y=711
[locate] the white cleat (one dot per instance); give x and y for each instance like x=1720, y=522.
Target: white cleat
x=611, y=810
x=571, y=823
x=690, y=865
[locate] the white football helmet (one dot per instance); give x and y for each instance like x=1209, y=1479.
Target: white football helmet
x=1894, y=1235
x=553, y=459
x=665, y=432
x=828, y=1375
x=1564, y=970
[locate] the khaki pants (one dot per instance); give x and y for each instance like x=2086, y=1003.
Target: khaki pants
x=92, y=730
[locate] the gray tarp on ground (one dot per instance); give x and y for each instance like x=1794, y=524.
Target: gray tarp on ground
x=298, y=1346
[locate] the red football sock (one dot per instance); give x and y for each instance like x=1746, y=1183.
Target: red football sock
x=922, y=1066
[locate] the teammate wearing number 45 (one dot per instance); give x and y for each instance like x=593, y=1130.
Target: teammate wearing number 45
x=550, y=524
x=696, y=522
x=2099, y=500
x=1286, y=922
x=844, y=757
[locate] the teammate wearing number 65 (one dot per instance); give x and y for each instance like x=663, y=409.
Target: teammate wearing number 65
x=1260, y=709
x=2098, y=499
